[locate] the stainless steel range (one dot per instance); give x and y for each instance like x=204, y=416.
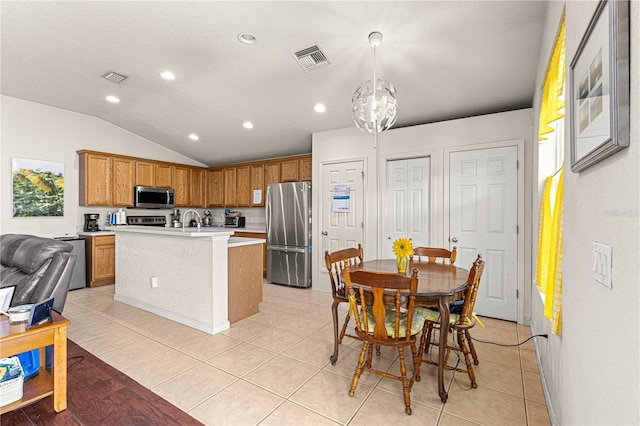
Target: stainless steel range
x=147, y=220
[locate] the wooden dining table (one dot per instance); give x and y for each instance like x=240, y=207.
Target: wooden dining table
x=438, y=285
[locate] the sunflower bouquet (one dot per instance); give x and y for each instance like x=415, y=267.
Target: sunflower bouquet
x=402, y=248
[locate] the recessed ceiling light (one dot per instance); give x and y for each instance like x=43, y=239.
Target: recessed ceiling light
x=112, y=99
x=247, y=125
x=319, y=108
x=168, y=75
x=247, y=38
x=194, y=137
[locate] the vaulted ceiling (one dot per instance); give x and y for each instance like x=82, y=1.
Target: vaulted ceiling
x=447, y=59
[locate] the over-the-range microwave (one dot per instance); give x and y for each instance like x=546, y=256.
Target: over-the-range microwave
x=146, y=197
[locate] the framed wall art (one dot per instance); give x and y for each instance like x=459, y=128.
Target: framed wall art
x=38, y=188
x=600, y=87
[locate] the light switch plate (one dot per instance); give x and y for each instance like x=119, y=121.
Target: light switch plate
x=602, y=264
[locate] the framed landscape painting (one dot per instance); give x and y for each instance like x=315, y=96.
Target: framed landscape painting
x=38, y=188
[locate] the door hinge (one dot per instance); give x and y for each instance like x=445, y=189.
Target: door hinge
x=517, y=294
x=517, y=164
x=362, y=175
x=362, y=225
x=517, y=229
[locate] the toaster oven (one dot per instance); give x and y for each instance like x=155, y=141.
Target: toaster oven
x=234, y=222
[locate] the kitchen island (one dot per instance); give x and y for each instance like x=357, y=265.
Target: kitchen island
x=185, y=275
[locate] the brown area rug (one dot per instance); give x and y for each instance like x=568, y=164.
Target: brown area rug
x=98, y=394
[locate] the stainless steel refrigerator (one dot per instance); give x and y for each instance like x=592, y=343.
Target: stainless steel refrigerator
x=288, y=219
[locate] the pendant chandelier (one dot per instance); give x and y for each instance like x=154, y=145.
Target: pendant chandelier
x=374, y=104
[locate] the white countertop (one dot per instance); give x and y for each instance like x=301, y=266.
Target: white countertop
x=241, y=241
x=95, y=233
x=175, y=232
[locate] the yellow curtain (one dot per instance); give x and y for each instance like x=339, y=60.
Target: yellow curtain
x=553, y=288
x=552, y=107
x=544, y=237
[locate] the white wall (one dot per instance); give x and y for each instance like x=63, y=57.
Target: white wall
x=434, y=140
x=35, y=131
x=592, y=368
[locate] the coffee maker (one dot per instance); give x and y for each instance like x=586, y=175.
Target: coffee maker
x=91, y=222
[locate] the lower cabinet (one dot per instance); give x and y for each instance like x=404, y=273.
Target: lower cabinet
x=245, y=282
x=264, y=246
x=101, y=260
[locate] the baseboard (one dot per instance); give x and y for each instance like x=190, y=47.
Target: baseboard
x=543, y=380
x=207, y=328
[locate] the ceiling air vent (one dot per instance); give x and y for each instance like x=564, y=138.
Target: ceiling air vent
x=312, y=58
x=114, y=77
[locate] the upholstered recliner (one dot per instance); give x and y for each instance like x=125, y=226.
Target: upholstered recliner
x=40, y=268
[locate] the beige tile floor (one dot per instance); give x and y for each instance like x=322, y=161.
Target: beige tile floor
x=274, y=369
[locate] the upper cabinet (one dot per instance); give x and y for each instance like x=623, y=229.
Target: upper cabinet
x=290, y=170
x=180, y=181
x=271, y=173
x=197, y=187
x=305, y=169
x=145, y=173
x=256, y=192
x=243, y=186
x=163, y=175
x=123, y=181
x=215, y=188
x=230, y=182
x=95, y=179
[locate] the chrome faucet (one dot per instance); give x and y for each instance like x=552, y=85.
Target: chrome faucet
x=184, y=217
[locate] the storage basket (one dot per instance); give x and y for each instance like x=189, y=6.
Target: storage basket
x=11, y=389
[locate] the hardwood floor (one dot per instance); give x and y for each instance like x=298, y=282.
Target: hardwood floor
x=98, y=394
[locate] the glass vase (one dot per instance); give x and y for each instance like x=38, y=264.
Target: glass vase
x=401, y=263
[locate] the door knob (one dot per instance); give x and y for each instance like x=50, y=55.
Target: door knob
x=454, y=240
x=325, y=233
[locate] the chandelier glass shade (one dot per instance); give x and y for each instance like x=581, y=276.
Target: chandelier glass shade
x=374, y=105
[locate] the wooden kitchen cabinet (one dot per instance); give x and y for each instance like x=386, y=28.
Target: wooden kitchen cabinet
x=243, y=186
x=163, y=175
x=245, y=284
x=257, y=184
x=180, y=179
x=95, y=179
x=101, y=260
x=197, y=188
x=305, y=169
x=145, y=173
x=123, y=181
x=215, y=190
x=271, y=173
x=230, y=187
x=264, y=246
x=290, y=170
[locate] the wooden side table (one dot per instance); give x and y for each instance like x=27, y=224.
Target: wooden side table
x=16, y=339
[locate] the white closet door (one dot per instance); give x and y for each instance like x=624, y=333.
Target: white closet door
x=408, y=216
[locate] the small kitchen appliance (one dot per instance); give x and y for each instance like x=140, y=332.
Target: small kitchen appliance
x=234, y=222
x=91, y=222
x=146, y=197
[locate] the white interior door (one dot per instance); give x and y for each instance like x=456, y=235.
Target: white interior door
x=342, y=230
x=483, y=218
x=408, y=215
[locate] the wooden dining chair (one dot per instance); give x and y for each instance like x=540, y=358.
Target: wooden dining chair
x=434, y=254
x=459, y=323
x=335, y=263
x=394, y=325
